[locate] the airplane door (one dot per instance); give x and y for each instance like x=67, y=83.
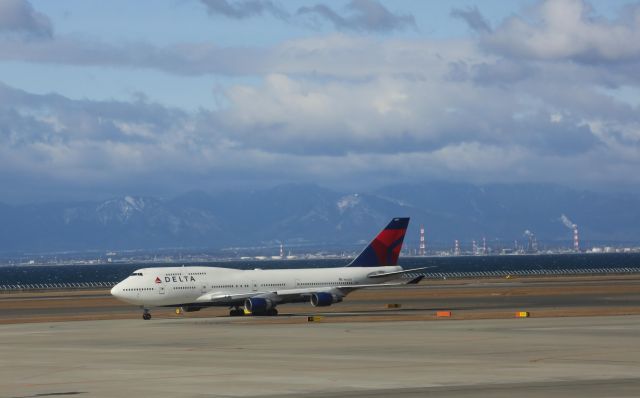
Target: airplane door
x=254, y=286
x=204, y=288
x=160, y=289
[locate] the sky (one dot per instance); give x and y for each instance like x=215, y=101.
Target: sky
x=101, y=99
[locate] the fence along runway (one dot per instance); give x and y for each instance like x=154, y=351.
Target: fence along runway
x=428, y=275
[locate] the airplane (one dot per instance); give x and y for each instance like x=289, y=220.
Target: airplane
x=258, y=291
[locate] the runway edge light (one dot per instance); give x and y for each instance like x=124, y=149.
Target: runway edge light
x=443, y=314
x=522, y=314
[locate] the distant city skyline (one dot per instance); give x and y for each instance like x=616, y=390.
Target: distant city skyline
x=100, y=99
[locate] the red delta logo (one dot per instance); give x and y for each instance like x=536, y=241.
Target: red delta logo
x=158, y=279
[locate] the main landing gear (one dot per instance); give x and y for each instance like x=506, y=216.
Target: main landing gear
x=146, y=315
x=269, y=312
x=272, y=312
x=239, y=311
x=236, y=311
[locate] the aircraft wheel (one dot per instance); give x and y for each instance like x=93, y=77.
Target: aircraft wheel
x=272, y=312
x=236, y=312
x=146, y=316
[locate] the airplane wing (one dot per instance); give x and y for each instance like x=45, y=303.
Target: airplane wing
x=343, y=290
x=294, y=295
x=227, y=298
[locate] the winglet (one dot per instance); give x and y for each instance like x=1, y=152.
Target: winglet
x=385, y=248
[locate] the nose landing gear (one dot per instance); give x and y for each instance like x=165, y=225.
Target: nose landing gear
x=146, y=315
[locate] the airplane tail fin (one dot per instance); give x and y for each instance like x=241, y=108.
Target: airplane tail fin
x=385, y=248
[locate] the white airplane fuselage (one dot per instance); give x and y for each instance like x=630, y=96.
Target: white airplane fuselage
x=208, y=286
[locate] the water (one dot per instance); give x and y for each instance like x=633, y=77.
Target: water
x=116, y=272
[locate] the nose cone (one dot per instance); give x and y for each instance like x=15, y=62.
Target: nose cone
x=116, y=291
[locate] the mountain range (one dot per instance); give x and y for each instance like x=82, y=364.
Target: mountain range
x=305, y=214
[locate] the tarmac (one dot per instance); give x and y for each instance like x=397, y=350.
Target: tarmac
x=467, y=299
x=352, y=351
x=221, y=357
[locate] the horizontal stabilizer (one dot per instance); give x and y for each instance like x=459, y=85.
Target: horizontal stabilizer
x=404, y=271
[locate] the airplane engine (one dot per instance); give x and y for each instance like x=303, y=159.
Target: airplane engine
x=324, y=299
x=258, y=305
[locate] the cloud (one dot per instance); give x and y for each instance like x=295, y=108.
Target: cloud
x=54, y=143
x=244, y=9
x=354, y=57
x=336, y=109
x=181, y=59
x=567, y=29
x=473, y=18
x=293, y=129
x=361, y=15
x=396, y=115
x=19, y=17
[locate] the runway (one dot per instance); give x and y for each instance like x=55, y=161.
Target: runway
x=222, y=357
x=356, y=349
x=467, y=299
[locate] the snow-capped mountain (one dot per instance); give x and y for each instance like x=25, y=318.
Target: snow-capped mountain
x=310, y=214
x=122, y=209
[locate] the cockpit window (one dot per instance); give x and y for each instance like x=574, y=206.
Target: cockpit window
x=137, y=274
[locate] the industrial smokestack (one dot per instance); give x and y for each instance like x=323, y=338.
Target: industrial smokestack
x=569, y=224
x=423, y=245
x=532, y=244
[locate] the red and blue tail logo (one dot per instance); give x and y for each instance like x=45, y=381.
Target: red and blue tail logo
x=385, y=248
